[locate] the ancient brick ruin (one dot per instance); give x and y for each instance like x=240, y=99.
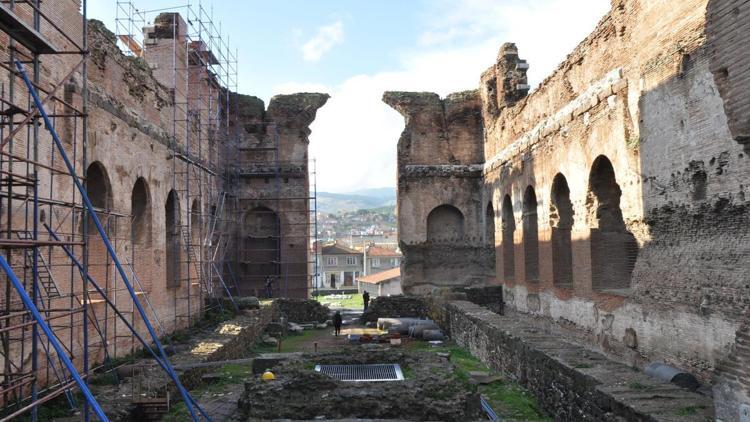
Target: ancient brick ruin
x=605, y=208
x=610, y=200
x=202, y=191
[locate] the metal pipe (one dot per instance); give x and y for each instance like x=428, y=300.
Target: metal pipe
x=53, y=340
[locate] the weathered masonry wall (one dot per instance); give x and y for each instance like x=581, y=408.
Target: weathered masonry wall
x=273, y=190
x=439, y=202
x=617, y=189
x=728, y=31
x=130, y=130
x=571, y=383
x=147, y=117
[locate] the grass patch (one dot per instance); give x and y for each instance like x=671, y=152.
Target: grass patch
x=689, y=410
x=294, y=343
x=178, y=413
x=109, y=378
x=407, y=372
x=55, y=408
x=508, y=399
x=229, y=374
x=638, y=386
x=354, y=301
x=513, y=402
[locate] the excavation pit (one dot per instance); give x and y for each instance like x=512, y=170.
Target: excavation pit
x=415, y=385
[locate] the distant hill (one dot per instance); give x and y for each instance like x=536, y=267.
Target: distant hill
x=361, y=199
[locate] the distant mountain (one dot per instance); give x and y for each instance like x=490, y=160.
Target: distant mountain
x=385, y=193
x=361, y=199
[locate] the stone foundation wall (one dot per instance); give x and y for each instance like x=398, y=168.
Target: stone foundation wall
x=236, y=337
x=395, y=307
x=570, y=382
x=302, y=310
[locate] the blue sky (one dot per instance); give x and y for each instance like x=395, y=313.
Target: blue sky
x=355, y=50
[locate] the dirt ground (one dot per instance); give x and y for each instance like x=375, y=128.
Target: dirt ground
x=219, y=399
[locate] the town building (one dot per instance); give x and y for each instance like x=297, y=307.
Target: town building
x=339, y=267
x=379, y=258
x=383, y=283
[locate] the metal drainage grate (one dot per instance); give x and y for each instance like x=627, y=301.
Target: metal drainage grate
x=375, y=372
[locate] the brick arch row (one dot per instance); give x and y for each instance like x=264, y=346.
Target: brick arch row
x=99, y=190
x=613, y=249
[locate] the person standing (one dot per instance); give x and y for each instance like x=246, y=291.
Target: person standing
x=269, y=287
x=337, y=323
x=366, y=298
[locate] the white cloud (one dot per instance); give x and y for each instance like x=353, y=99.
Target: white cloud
x=545, y=31
x=327, y=37
x=354, y=136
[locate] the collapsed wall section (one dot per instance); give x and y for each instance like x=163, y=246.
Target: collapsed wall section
x=272, y=239
x=439, y=201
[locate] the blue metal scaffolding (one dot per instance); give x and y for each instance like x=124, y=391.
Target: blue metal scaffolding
x=55, y=291
x=164, y=361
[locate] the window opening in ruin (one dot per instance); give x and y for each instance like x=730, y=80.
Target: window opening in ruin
x=261, y=249
x=699, y=179
x=492, y=104
x=140, y=206
x=99, y=190
x=614, y=249
x=509, y=228
x=173, y=243
x=561, y=222
x=530, y=235
x=489, y=225
x=489, y=238
x=445, y=224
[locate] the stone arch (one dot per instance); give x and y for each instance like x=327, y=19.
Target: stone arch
x=98, y=186
x=561, y=221
x=140, y=210
x=489, y=225
x=173, y=239
x=445, y=223
x=489, y=239
x=614, y=249
x=530, y=235
x=99, y=192
x=509, y=228
x=261, y=248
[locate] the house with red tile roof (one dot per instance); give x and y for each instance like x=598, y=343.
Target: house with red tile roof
x=383, y=283
x=378, y=258
x=338, y=267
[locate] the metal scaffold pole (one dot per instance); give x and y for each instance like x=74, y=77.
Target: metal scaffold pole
x=189, y=403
